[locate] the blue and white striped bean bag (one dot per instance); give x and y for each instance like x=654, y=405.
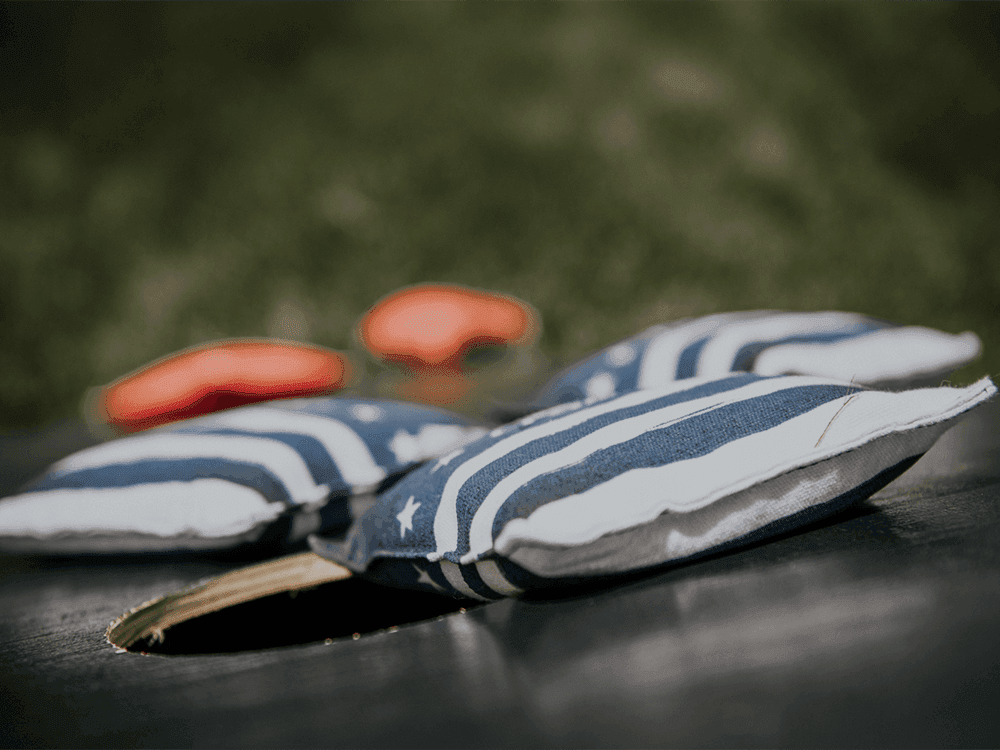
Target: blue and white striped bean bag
x=287, y=467
x=639, y=480
x=839, y=345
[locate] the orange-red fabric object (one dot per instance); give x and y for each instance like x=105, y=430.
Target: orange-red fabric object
x=215, y=376
x=433, y=326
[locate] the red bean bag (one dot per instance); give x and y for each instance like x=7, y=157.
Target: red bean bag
x=437, y=325
x=215, y=376
x=449, y=343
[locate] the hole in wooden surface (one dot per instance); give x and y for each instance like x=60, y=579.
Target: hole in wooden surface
x=333, y=610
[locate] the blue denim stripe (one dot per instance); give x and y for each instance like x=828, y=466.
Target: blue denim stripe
x=321, y=466
x=377, y=434
x=405, y=573
x=475, y=582
x=433, y=570
x=157, y=471
x=687, y=363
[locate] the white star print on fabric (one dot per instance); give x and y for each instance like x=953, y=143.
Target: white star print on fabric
x=445, y=460
x=405, y=517
x=424, y=577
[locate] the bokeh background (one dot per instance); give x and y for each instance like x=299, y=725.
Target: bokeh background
x=171, y=174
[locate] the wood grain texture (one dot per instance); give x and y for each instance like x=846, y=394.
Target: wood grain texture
x=876, y=627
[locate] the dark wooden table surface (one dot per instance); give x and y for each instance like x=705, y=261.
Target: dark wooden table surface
x=877, y=627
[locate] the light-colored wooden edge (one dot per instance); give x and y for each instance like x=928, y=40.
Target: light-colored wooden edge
x=290, y=573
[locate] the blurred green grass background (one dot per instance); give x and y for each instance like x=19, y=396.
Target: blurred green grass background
x=174, y=173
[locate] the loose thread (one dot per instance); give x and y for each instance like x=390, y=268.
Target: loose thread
x=842, y=407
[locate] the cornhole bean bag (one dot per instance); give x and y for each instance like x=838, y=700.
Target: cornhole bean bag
x=651, y=477
x=215, y=376
x=839, y=345
x=286, y=468
x=451, y=345
x=432, y=325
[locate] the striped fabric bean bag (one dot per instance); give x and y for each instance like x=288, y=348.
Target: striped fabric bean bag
x=639, y=480
x=839, y=345
x=276, y=471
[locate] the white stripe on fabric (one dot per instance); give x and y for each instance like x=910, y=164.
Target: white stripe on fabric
x=690, y=485
x=481, y=528
x=446, y=517
x=492, y=576
x=205, y=508
x=283, y=462
x=720, y=351
x=350, y=454
x=887, y=355
x=659, y=365
x=457, y=581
